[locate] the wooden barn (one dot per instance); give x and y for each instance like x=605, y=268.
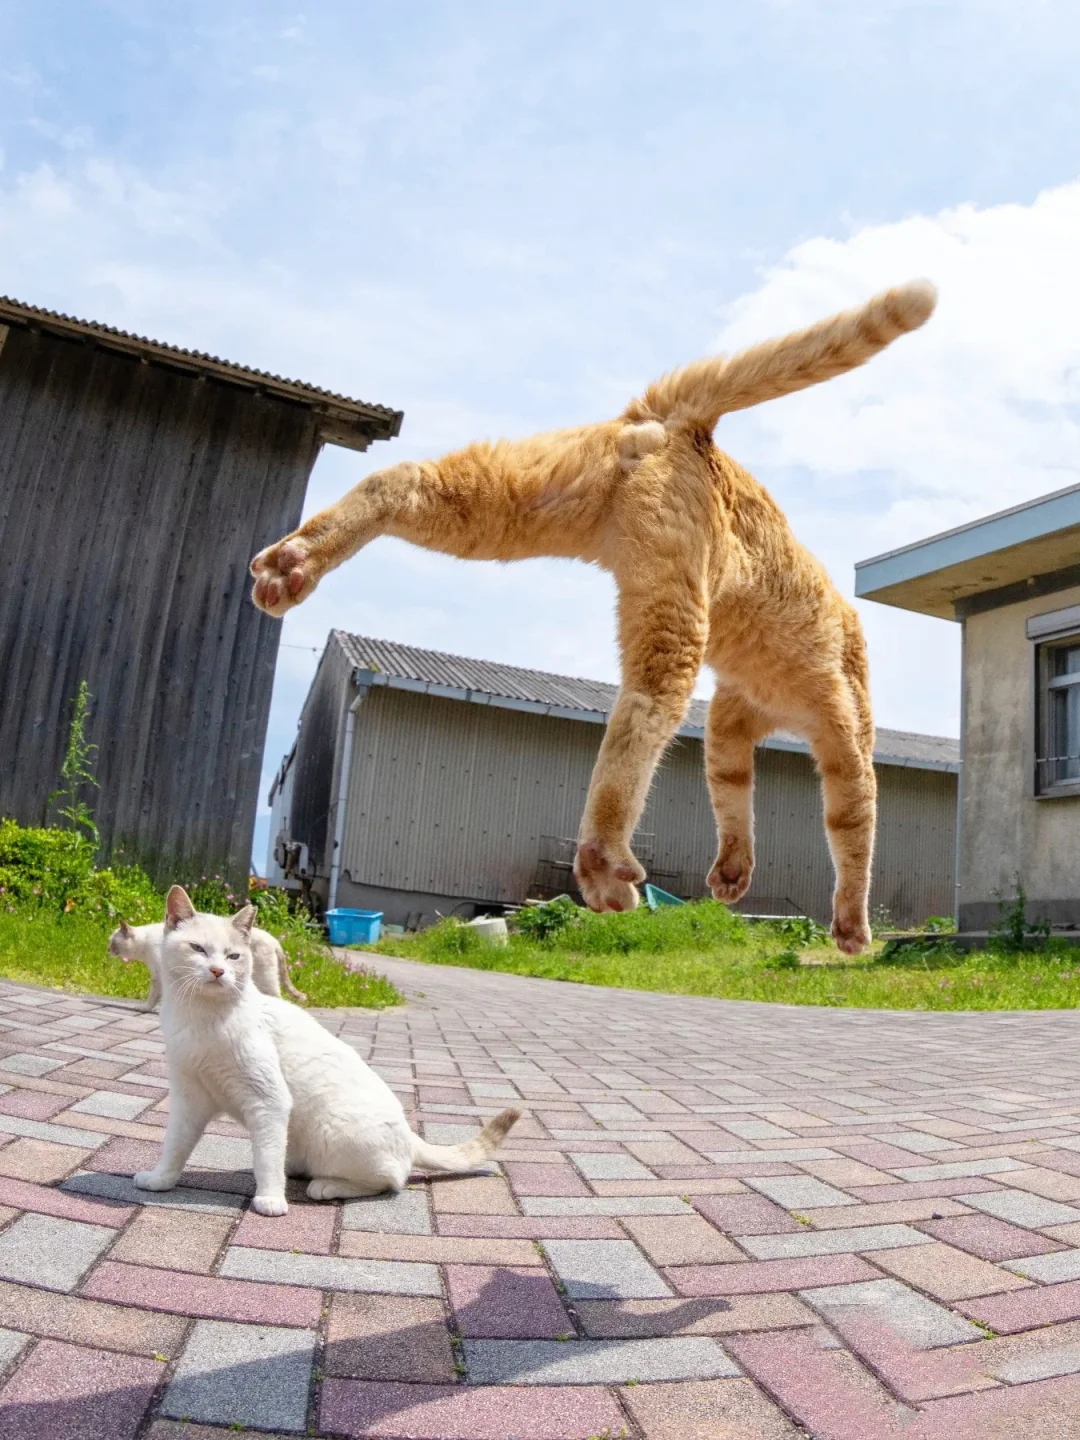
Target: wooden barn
x=422, y=783
x=136, y=482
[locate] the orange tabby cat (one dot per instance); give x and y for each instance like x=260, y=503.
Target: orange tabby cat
x=708, y=571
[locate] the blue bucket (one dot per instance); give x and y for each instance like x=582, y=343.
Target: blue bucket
x=354, y=927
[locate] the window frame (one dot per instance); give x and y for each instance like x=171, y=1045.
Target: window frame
x=1049, y=633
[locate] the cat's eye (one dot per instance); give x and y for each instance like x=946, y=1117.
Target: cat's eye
x=199, y=949
x=234, y=956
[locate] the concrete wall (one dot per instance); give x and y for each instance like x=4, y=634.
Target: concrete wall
x=448, y=802
x=1005, y=830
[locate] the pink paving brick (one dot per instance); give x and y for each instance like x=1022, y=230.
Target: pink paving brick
x=746, y=1215
x=640, y=1319
x=1024, y=1309
x=499, y=1302
x=885, y=1157
x=78, y=1394
x=125, y=1157
x=988, y=1237
x=89, y=1322
x=827, y=1391
x=913, y=1374
x=306, y=1227
x=369, y=1411
x=758, y=1277
x=206, y=1296
x=33, y=1104
x=681, y=1240
x=528, y=1179
x=43, y=1200
x=530, y=1227
x=1043, y=1410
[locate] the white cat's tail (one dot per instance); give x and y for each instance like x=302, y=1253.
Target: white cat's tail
x=284, y=978
x=456, y=1159
x=706, y=389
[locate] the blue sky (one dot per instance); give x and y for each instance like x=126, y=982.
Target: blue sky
x=501, y=219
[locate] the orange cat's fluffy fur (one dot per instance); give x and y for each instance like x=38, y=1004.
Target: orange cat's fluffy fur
x=707, y=571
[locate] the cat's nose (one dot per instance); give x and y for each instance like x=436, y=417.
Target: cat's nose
x=216, y=971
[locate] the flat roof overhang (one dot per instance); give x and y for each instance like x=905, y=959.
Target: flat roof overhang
x=1011, y=547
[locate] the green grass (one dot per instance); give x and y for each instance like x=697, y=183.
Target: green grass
x=703, y=949
x=70, y=952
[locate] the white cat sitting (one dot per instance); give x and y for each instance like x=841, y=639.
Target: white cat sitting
x=269, y=964
x=310, y=1103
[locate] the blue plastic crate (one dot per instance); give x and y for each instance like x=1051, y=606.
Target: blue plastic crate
x=354, y=927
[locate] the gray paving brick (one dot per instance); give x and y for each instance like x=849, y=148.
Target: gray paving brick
x=1037, y=1365
x=604, y=1205
x=605, y=1270
x=120, y=1187
x=58, y=1134
x=331, y=1272
x=832, y=1242
x=112, y=1105
x=919, y=1321
x=222, y=1152
x=23, y=1063
x=960, y=1169
x=610, y=1167
x=769, y=1157
x=1020, y=1207
x=54, y=1254
x=595, y=1362
x=798, y=1192
x=12, y=1344
x=407, y=1213
x=243, y=1375
x=1058, y=1265
x=917, y=1141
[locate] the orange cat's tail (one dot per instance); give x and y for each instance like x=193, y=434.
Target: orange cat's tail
x=707, y=389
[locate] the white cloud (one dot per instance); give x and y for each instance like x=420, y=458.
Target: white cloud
x=977, y=411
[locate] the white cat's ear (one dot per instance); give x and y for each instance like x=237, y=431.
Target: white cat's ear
x=178, y=907
x=244, y=919
x=126, y=930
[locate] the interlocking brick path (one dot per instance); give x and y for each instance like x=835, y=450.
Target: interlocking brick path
x=714, y=1220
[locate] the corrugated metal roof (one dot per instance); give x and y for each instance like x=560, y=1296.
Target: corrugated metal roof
x=591, y=699
x=381, y=422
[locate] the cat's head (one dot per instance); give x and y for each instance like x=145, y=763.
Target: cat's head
x=205, y=957
x=122, y=941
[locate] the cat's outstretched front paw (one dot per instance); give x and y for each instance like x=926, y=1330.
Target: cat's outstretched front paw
x=153, y=1180
x=607, y=876
x=285, y=574
x=729, y=878
x=270, y=1205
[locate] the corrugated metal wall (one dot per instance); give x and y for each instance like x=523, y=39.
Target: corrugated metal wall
x=318, y=745
x=131, y=499
x=452, y=798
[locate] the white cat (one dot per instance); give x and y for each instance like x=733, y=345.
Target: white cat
x=270, y=966
x=310, y=1103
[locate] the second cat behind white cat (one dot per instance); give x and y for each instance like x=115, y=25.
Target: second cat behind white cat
x=310, y=1104
x=269, y=963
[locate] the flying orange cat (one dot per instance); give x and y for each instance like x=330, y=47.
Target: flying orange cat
x=707, y=570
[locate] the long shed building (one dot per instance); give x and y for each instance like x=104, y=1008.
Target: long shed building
x=423, y=784
x=136, y=482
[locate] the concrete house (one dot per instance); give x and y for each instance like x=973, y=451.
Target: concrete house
x=1012, y=583
x=424, y=783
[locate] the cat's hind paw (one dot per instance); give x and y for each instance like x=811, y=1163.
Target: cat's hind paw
x=270, y=1205
x=607, y=877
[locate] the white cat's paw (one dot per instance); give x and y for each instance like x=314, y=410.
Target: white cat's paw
x=152, y=1180
x=327, y=1188
x=270, y=1205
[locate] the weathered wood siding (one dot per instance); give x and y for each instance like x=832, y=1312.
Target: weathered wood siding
x=132, y=497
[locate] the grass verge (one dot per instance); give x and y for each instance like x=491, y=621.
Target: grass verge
x=703, y=949
x=70, y=952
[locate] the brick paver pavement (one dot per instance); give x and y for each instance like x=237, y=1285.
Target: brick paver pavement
x=714, y=1220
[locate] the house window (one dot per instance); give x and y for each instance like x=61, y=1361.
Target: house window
x=1058, y=718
